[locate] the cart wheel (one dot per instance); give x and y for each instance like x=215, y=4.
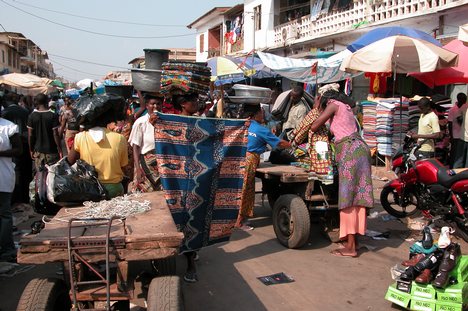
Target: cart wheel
x=165, y=294
x=164, y=266
x=49, y=294
x=291, y=221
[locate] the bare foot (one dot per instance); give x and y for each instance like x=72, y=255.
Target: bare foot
x=344, y=252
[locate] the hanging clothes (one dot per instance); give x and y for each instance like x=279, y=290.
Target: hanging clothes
x=378, y=82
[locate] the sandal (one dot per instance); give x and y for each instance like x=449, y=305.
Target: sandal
x=191, y=277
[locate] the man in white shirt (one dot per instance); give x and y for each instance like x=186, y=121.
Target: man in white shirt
x=10, y=146
x=297, y=112
x=457, y=144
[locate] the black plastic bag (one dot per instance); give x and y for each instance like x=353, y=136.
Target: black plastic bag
x=91, y=107
x=281, y=156
x=74, y=184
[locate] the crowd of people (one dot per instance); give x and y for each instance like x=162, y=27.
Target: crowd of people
x=122, y=149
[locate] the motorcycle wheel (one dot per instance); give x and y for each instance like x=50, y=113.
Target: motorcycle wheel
x=391, y=202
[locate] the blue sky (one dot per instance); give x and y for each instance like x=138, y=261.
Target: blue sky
x=60, y=41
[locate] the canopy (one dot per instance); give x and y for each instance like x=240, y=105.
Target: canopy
x=225, y=68
x=458, y=74
x=27, y=84
x=401, y=54
x=463, y=33
x=303, y=70
x=385, y=32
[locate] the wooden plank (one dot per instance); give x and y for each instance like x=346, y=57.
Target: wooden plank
x=155, y=227
x=286, y=173
x=98, y=293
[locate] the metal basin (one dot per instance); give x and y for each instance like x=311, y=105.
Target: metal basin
x=125, y=91
x=251, y=91
x=146, y=80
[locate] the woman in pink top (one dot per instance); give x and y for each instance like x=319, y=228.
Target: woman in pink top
x=354, y=167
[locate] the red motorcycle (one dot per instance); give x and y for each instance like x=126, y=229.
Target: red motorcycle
x=427, y=185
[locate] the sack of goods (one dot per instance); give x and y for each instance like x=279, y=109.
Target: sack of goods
x=92, y=107
x=73, y=184
x=180, y=78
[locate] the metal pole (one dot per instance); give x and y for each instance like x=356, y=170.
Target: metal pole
x=253, y=47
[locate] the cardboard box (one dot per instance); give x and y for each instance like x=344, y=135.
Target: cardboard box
x=446, y=306
x=397, y=296
x=421, y=304
x=423, y=291
x=460, y=272
x=457, y=293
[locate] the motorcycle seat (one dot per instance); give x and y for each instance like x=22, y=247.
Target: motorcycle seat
x=447, y=180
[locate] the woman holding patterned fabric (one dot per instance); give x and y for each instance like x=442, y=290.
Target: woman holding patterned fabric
x=259, y=137
x=354, y=166
x=319, y=145
x=142, y=142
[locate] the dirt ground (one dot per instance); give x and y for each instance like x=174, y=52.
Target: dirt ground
x=229, y=272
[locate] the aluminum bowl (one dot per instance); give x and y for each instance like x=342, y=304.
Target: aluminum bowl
x=146, y=80
x=251, y=91
x=249, y=100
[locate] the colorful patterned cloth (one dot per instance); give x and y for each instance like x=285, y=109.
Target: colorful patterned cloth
x=354, y=171
x=318, y=164
x=151, y=180
x=179, y=78
x=248, y=190
x=201, y=163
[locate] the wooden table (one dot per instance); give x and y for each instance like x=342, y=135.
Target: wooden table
x=149, y=235
x=285, y=173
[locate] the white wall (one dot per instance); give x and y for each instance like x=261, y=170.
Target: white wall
x=214, y=22
x=263, y=37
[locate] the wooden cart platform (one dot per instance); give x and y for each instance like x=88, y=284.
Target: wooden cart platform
x=285, y=173
x=145, y=236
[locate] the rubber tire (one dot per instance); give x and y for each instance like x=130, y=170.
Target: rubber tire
x=164, y=266
x=386, y=191
x=165, y=294
x=45, y=294
x=299, y=221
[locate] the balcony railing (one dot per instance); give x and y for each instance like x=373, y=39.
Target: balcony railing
x=307, y=28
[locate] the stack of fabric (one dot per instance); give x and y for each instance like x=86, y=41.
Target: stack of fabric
x=400, y=124
x=413, y=113
x=369, y=122
x=384, y=128
x=180, y=78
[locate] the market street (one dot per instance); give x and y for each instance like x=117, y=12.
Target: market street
x=228, y=272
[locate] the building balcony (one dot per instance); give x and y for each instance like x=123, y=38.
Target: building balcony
x=309, y=28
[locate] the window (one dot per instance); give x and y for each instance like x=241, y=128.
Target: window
x=202, y=43
x=258, y=17
x=9, y=57
x=3, y=56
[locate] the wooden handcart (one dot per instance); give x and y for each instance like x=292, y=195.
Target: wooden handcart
x=297, y=197
x=95, y=254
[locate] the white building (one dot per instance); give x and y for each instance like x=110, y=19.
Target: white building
x=300, y=28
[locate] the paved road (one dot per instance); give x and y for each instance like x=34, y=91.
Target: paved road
x=228, y=272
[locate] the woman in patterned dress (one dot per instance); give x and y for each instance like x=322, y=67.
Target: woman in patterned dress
x=354, y=166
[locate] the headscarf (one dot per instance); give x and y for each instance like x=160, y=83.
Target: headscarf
x=328, y=87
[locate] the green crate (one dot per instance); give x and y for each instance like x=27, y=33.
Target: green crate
x=460, y=272
x=447, y=306
x=423, y=291
x=421, y=304
x=398, y=297
x=457, y=293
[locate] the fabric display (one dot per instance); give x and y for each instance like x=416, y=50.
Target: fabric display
x=413, y=115
x=180, y=78
x=378, y=82
x=369, y=123
x=384, y=128
x=201, y=162
x=319, y=150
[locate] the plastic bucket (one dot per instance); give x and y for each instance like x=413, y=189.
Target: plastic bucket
x=155, y=57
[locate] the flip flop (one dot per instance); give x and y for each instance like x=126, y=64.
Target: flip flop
x=339, y=253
